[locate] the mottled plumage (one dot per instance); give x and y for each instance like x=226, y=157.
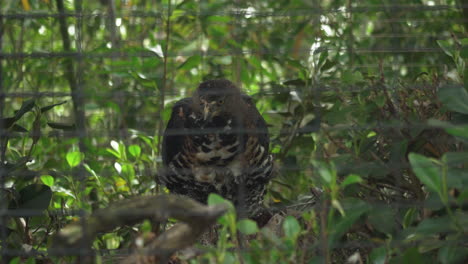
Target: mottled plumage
x=217, y=142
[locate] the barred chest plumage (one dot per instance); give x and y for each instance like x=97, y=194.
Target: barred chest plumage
x=215, y=149
x=215, y=142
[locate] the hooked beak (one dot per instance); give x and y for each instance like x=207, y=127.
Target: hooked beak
x=206, y=112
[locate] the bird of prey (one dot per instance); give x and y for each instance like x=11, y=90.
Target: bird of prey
x=217, y=142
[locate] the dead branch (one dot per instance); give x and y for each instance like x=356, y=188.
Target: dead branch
x=195, y=219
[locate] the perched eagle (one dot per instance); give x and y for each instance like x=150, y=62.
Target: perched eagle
x=217, y=142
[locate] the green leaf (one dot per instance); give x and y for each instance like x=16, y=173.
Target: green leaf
x=247, y=226
x=458, y=131
x=412, y=256
x=192, y=62
x=291, y=227
x=47, y=108
x=18, y=128
x=134, y=150
x=112, y=240
x=378, y=256
x=74, y=158
x=128, y=171
x=463, y=197
x=327, y=172
x=323, y=57
x=380, y=100
x=464, y=52
x=446, y=47
x=351, y=179
x=15, y=260
x=428, y=171
x=62, y=192
x=457, y=175
x=294, y=64
x=328, y=65
x=25, y=107
x=464, y=41
x=65, y=127
x=409, y=217
x=146, y=226
x=351, y=78
x=30, y=261
x=113, y=152
x=214, y=199
x=432, y=226
x=454, y=97
x=47, y=180
x=452, y=254
x=354, y=208
x=228, y=219
x=382, y=219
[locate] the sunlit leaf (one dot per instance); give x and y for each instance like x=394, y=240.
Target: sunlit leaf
x=134, y=150
x=112, y=240
x=47, y=180
x=74, y=158
x=291, y=227
x=247, y=226
x=192, y=62
x=351, y=179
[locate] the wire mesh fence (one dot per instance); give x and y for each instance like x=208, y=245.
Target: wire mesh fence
x=364, y=102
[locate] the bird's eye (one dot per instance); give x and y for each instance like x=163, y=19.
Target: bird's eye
x=221, y=101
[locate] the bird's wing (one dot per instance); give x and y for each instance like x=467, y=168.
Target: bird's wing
x=173, y=139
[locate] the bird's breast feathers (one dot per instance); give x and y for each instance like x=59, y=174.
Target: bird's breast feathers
x=215, y=151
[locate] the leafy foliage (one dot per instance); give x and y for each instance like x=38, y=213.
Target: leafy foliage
x=367, y=105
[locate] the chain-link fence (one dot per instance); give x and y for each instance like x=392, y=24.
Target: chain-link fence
x=365, y=106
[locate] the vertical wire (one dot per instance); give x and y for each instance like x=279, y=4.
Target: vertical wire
x=3, y=199
x=85, y=251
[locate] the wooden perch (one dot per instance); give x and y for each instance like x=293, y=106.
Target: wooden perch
x=195, y=219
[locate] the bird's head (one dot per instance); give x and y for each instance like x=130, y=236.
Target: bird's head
x=216, y=97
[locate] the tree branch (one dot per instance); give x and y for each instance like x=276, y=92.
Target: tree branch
x=195, y=219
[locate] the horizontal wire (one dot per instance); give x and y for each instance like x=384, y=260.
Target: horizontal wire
x=249, y=20
x=404, y=204
x=148, y=53
x=244, y=11
x=115, y=69
x=116, y=133
x=266, y=89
